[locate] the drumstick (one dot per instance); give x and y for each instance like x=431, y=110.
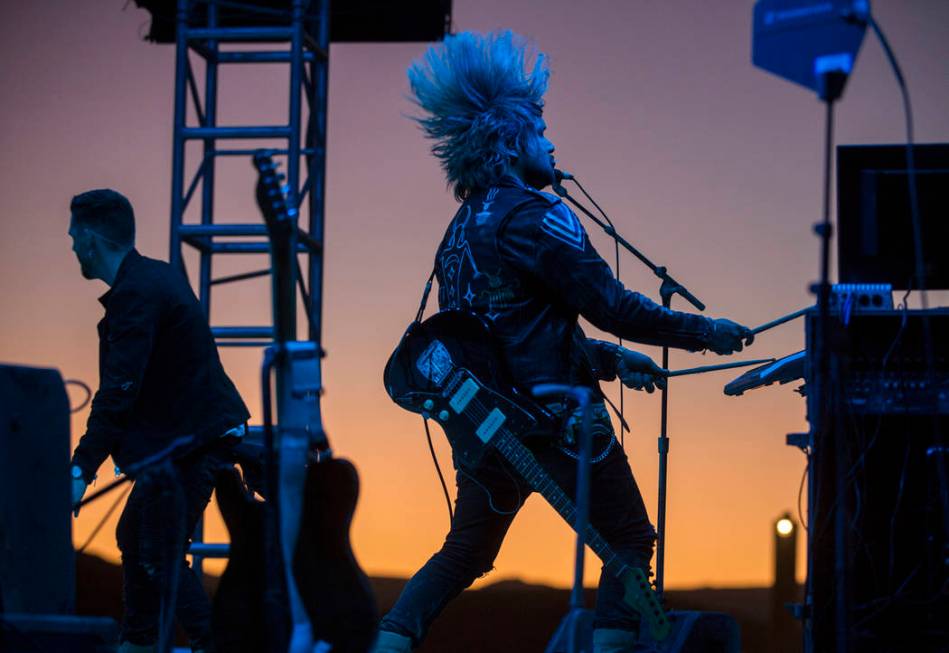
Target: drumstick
x=722, y=366
x=781, y=320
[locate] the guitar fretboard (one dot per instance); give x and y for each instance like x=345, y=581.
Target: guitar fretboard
x=527, y=466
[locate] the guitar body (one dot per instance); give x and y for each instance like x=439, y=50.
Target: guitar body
x=335, y=591
x=237, y=613
x=421, y=375
x=448, y=368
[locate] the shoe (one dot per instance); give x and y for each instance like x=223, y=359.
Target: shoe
x=388, y=642
x=614, y=640
x=129, y=647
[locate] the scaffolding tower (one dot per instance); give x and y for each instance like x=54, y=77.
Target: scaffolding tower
x=294, y=33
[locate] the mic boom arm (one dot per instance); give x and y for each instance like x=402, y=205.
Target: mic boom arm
x=669, y=285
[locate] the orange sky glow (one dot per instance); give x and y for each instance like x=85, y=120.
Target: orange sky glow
x=711, y=166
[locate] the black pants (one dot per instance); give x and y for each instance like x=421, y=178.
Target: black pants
x=153, y=534
x=486, y=504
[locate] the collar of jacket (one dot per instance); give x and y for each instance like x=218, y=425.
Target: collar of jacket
x=124, y=266
x=511, y=180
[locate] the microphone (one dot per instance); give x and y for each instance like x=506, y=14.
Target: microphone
x=559, y=176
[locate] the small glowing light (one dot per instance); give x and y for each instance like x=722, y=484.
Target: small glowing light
x=785, y=527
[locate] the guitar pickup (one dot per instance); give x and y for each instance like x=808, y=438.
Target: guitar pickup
x=455, y=381
x=490, y=425
x=460, y=399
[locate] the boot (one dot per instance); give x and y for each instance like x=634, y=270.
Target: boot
x=388, y=642
x=129, y=647
x=613, y=640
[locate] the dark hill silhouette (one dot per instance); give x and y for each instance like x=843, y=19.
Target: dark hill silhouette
x=509, y=615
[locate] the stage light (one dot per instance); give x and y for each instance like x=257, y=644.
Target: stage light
x=784, y=527
x=784, y=631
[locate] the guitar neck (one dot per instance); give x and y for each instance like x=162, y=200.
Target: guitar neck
x=527, y=466
x=284, y=291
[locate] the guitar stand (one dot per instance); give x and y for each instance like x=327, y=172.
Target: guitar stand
x=574, y=633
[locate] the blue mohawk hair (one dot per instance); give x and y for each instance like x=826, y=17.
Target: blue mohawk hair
x=481, y=103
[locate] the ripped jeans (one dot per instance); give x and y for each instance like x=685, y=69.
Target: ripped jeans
x=153, y=533
x=486, y=503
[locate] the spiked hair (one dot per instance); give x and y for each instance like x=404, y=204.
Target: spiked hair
x=481, y=101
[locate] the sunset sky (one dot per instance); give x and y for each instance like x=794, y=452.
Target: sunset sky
x=709, y=165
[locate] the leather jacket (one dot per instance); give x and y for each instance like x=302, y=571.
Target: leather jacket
x=520, y=258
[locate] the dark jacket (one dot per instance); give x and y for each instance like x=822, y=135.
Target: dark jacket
x=160, y=377
x=521, y=258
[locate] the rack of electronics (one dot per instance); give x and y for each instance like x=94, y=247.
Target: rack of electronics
x=878, y=490
x=876, y=377
x=878, y=506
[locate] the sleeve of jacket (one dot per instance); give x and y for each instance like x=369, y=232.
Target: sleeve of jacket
x=545, y=240
x=603, y=358
x=132, y=319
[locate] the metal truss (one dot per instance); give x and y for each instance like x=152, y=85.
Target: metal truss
x=298, y=38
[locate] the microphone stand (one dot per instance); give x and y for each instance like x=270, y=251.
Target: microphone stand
x=573, y=631
x=667, y=289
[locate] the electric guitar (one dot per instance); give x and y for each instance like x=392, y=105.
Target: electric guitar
x=447, y=368
x=335, y=591
x=292, y=578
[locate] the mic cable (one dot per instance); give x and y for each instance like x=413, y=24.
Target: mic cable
x=563, y=175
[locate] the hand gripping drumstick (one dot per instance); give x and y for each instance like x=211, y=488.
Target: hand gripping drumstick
x=781, y=320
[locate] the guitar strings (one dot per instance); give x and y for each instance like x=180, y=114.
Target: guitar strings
x=480, y=412
x=476, y=412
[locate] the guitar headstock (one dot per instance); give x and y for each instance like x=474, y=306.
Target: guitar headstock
x=639, y=595
x=272, y=195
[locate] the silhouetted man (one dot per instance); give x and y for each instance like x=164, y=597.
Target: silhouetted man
x=520, y=258
x=160, y=379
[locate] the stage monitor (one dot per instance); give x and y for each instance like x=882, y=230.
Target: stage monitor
x=874, y=226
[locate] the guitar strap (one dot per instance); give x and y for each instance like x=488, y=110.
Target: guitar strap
x=425, y=294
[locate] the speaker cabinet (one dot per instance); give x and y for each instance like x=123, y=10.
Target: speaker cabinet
x=37, y=563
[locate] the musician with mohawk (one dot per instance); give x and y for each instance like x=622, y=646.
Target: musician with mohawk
x=520, y=258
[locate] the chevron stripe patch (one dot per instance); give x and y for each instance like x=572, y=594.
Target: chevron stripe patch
x=564, y=226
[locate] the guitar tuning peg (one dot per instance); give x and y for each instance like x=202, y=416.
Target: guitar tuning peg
x=285, y=189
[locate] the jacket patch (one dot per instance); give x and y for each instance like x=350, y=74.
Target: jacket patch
x=485, y=213
x=453, y=257
x=564, y=226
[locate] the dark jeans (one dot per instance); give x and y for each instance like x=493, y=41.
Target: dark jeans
x=486, y=504
x=153, y=533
